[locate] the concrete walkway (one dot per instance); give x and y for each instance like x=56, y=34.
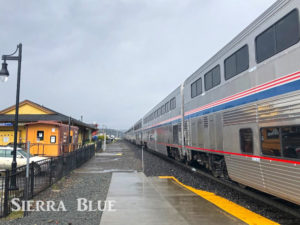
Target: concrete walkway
x=152, y=201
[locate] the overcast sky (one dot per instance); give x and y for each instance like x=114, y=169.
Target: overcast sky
x=113, y=60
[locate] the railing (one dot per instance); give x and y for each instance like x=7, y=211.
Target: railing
x=42, y=174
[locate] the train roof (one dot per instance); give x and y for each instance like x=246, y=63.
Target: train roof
x=169, y=96
x=240, y=37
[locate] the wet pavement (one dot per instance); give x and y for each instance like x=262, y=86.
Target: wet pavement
x=117, y=158
x=149, y=201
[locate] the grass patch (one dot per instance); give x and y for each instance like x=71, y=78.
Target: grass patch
x=14, y=215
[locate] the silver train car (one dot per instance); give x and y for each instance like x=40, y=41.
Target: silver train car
x=238, y=115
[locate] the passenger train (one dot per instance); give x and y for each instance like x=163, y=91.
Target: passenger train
x=238, y=115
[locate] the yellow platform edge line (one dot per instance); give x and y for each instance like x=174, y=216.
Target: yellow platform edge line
x=232, y=208
x=119, y=154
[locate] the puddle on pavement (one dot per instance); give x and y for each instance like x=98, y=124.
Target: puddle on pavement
x=107, y=160
x=106, y=171
x=109, y=154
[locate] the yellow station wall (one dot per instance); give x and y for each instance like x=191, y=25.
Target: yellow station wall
x=43, y=147
x=7, y=135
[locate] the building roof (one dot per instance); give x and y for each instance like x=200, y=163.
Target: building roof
x=49, y=115
x=55, y=123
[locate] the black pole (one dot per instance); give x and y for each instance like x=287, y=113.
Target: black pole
x=69, y=133
x=14, y=162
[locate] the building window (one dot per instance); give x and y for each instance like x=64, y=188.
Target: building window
x=173, y=103
x=53, y=139
x=196, y=88
x=246, y=139
x=212, y=78
x=278, y=37
x=236, y=63
x=40, y=135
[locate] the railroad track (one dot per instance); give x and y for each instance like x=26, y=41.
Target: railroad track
x=277, y=203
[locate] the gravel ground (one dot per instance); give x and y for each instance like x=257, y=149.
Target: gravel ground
x=92, y=186
x=155, y=166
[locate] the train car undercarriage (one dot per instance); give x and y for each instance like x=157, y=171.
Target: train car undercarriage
x=212, y=162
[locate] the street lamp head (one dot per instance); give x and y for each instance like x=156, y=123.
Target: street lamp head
x=4, y=72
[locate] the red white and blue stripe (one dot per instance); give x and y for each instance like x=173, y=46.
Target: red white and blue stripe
x=270, y=89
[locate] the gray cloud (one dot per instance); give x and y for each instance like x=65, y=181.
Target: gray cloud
x=113, y=60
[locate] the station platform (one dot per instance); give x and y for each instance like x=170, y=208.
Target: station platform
x=152, y=200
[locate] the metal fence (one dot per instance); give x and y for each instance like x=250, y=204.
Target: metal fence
x=42, y=174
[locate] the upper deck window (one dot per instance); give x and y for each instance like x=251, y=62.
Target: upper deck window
x=163, y=109
x=280, y=36
x=167, y=106
x=196, y=88
x=237, y=62
x=212, y=78
x=173, y=103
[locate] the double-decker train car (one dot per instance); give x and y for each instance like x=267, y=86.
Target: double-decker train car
x=238, y=115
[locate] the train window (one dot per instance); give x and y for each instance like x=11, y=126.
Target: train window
x=290, y=137
x=167, y=106
x=265, y=45
x=230, y=67
x=173, y=103
x=193, y=90
x=208, y=80
x=281, y=141
x=237, y=62
x=270, y=141
x=163, y=109
x=287, y=31
x=246, y=139
x=242, y=59
x=212, y=78
x=216, y=76
x=196, y=88
x=278, y=37
x=199, y=86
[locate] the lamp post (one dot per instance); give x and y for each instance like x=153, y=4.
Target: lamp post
x=4, y=75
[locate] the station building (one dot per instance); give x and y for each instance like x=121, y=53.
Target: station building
x=47, y=130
